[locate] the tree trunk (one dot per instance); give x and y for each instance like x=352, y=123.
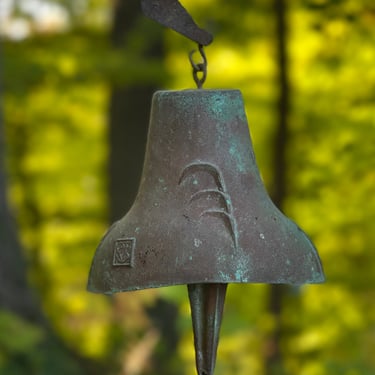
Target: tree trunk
x=15, y=293
x=129, y=114
x=129, y=111
x=20, y=301
x=273, y=355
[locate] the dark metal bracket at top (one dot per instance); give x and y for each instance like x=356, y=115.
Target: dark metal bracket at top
x=172, y=14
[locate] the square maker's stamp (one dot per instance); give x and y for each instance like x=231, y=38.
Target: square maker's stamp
x=123, y=254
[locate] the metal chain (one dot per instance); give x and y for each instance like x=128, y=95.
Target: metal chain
x=200, y=67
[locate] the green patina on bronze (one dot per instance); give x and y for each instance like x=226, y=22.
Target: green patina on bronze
x=211, y=225
x=202, y=216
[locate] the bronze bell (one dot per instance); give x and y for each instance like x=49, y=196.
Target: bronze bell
x=202, y=216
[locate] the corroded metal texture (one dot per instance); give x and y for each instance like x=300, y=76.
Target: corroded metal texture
x=172, y=14
x=206, y=304
x=202, y=214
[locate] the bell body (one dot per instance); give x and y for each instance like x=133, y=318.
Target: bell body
x=202, y=214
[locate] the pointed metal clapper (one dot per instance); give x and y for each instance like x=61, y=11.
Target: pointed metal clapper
x=206, y=304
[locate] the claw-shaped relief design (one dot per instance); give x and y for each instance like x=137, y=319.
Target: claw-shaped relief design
x=225, y=212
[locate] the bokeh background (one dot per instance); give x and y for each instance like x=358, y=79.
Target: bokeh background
x=76, y=84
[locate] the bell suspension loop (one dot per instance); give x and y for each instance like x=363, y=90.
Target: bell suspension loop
x=200, y=68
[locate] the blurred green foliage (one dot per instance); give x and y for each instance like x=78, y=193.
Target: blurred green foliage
x=55, y=103
x=23, y=350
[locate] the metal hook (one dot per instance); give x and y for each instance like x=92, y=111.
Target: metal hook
x=172, y=14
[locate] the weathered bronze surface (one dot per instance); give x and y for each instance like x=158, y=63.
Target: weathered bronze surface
x=206, y=304
x=202, y=214
x=172, y=14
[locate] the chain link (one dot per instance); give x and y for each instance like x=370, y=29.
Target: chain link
x=199, y=69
